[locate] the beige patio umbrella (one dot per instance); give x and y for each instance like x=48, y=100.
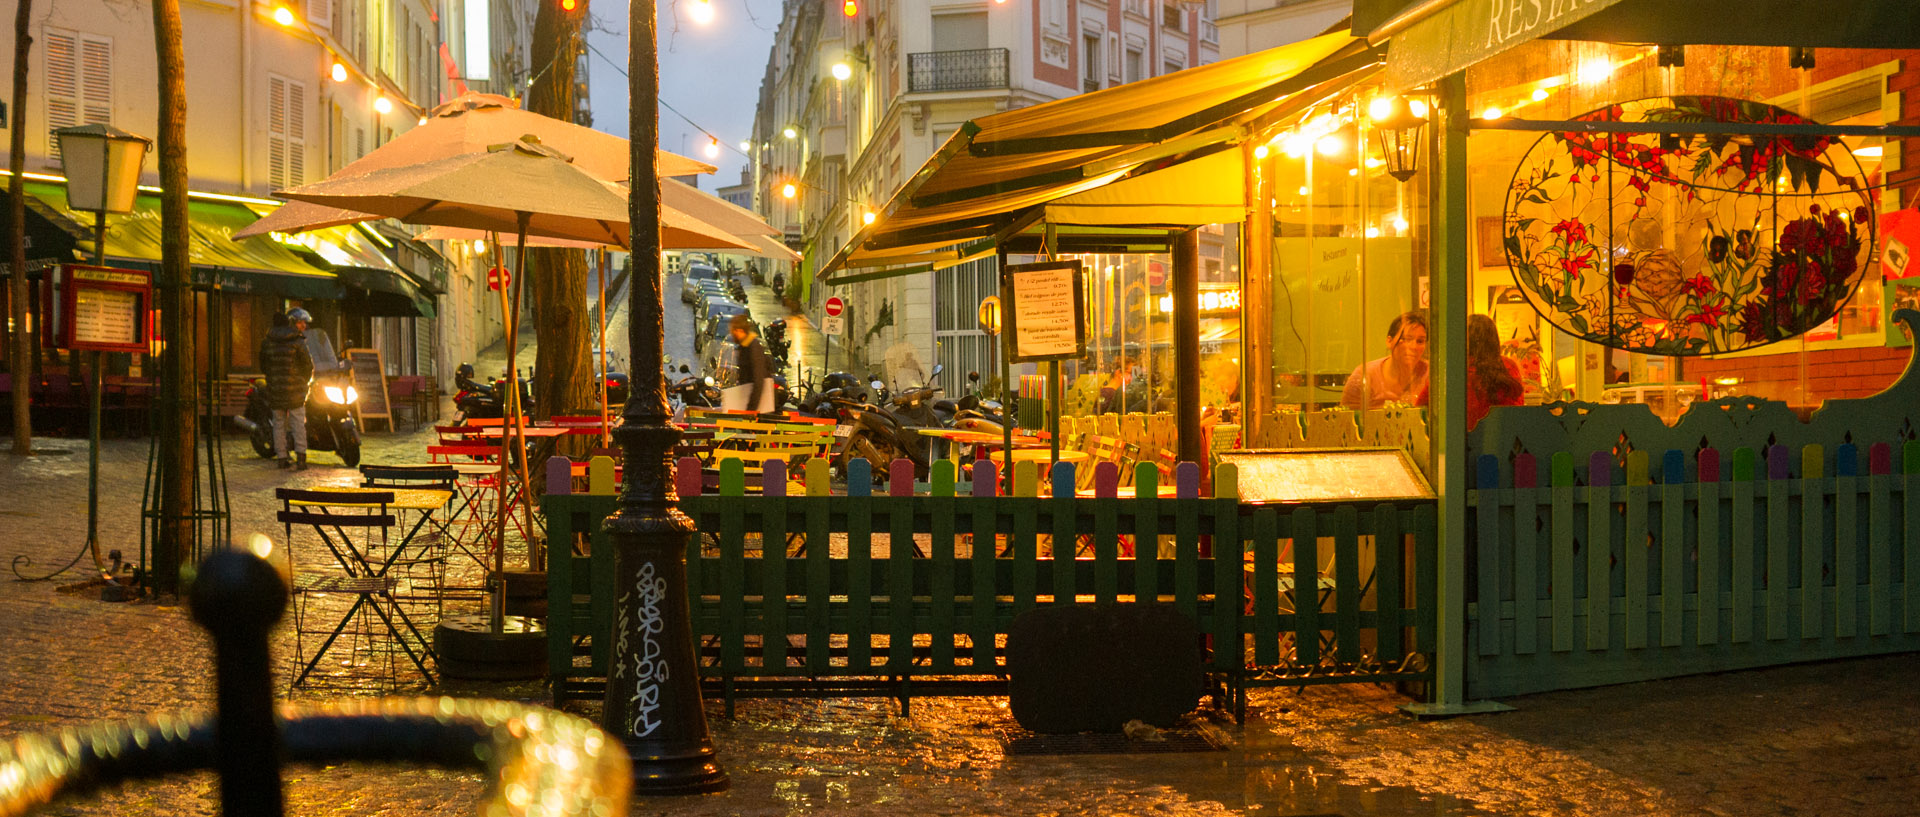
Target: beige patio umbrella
x=469, y=124
x=521, y=187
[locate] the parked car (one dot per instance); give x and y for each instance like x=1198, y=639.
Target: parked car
x=715, y=318
x=690, y=281
x=716, y=348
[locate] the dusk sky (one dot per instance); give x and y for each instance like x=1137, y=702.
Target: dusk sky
x=710, y=73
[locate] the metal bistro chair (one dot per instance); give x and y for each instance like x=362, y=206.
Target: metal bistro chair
x=423, y=568
x=360, y=572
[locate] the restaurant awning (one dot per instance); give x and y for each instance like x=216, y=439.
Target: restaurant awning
x=255, y=265
x=1093, y=159
x=1435, y=38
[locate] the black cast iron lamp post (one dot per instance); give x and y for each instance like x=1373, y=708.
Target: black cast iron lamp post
x=653, y=677
x=1397, y=126
x=103, y=165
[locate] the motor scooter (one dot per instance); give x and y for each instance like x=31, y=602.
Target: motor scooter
x=691, y=390
x=889, y=428
x=330, y=424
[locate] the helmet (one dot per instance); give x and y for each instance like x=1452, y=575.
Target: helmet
x=298, y=315
x=848, y=384
x=465, y=370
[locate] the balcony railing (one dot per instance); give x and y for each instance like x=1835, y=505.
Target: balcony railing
x=971, y=70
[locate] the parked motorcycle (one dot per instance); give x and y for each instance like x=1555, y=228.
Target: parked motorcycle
x=330, y=425
x=691, y=390
x=888, y=428
x=974, y=414
x=476, y=400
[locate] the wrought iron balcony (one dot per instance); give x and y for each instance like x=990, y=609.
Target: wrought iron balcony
x=971, y=70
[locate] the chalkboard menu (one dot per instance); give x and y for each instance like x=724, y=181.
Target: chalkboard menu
x=1045, y=311
x=370, y=380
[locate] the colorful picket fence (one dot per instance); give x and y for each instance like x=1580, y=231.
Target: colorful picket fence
x=895, y=594
x=1609, y=569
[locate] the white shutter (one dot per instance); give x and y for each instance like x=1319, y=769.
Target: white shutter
x=296, y=133
x=320, y=13
x=96, y=80
x=63, y=86
x=276, y=132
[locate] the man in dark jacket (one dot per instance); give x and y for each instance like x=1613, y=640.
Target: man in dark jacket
x=755, y=369
x=289, y=372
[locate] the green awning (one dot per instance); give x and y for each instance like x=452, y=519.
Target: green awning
x=251, y=265
x=384, y=293
x=1436, y=38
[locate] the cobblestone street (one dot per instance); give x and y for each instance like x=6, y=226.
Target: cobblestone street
x=1838, y=738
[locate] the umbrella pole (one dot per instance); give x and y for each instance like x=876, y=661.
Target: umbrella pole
x=536, y=557
x=499, y=605
x=606, y=427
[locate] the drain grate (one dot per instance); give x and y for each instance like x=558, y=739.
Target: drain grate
x=1017, y=741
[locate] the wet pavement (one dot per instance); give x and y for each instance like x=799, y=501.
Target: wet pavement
x=1841, y=738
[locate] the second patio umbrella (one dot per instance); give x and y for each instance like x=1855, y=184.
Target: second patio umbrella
x=521, y=187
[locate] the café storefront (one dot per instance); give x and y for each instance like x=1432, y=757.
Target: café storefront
x=1655, y=208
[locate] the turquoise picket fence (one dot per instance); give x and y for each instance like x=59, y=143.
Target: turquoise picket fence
x=1605, y=575
x=798, y=593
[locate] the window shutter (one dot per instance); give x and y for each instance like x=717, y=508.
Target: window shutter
x=320, y=13
x=96, y=80
x=276, y=132
x=63, y=86
x=296, y=133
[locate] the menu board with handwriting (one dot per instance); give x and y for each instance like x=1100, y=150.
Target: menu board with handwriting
x=106, y=316
x=100, y=309
x=1045, y=314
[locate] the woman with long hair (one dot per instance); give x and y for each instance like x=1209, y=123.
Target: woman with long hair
x=1492, y=380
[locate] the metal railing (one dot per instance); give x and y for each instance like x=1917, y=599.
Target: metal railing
x=970, y=70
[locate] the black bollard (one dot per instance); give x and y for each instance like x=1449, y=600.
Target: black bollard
x=238, y=597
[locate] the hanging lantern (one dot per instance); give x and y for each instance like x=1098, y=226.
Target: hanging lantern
x=1398, y=128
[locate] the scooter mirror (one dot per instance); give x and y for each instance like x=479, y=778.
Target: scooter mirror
x=877, y=385
x=938, y=368
x=973, y=377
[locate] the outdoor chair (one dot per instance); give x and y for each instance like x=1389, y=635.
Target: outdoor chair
x=425, y=582
x=364, y=577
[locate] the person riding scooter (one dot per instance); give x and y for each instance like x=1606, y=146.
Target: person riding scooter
x=289, y=373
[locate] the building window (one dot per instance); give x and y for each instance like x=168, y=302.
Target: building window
x=961, y=346
x=1134, y=68
x=1174, y=16
x=1090, y=57
x=1171, y=66
x=960, y=32
x=79, y=83
x=286, y=132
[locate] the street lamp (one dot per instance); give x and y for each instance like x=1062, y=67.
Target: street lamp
x=652, y=703
x=102, y=164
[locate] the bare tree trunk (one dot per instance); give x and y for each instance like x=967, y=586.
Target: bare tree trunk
x=20, y=349
x=178, y=462
x=564, y=384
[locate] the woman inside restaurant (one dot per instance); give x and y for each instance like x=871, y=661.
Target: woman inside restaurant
x=1397, y=377
x=1492, y=379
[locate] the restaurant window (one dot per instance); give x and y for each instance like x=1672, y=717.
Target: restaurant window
x=962, y=346
x=1671, y=260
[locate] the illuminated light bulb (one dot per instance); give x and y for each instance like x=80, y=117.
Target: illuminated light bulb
x=1871, y=151
x=1399, y=224
x=1166, y=304
x=479, y=247
x=283, y=16
x=1418, y=107
x=569, y=5
x=842, y=71
x=746, y=145
x=1298, y=144
x=1305, y=190
x=1260, y=152
x=422, y=121
x=1539, y=94
x=1329, y=145
x=1491, y=113
x=789, y=132
x=867, y=217
x=850, y=8
x=1353, y=171
x=1595, y=71
x=1373, y=163
x=339, y=73
x=1373, y=232
x=1380, y=108
x=713, y=147
x=788, y=190
x=383, y=105
x=701, y=11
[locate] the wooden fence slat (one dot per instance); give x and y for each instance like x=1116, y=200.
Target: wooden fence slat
x=1909, y=483
x=900, y=477
x=859, y=477
x=1880, y=546
x=1562, y=589
x=733, y=478
x=1741, y=524
x=860, y=591
x=1846, y=554
x=902, y=557
x=1306, y=585
x=600, y=481
x=559, y=475
x=1673, y=547
x=945, y=542
x=1707, y=528
x=774, y=542
x=1526, y=559
x=687, y=480
x=1065, y=541
x=1780, y=544
x=818, y=611
x=1489, y=551
x=1391, y=559
x=1146, y=532
x=983, y=625
x=732, y=586
x=1106, y=547
x=1813, y=540
x=1186, y=543
x=1599, y=549
x=1264, y=524
x=819, y=476
x=1346, y=583
x=1634, y=543
x=1426, y=576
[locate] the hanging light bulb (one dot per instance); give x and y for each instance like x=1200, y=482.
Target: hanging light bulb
x=339, y=73
x=788, y=190
x=867, y=217
x=746, y=146
x=1539, y=94
x=383, y=105
x=479, y=246
x=701, y=11
x=283, y=15
x=789, y=132
x=851, y=8
x=713, y=147
x=1260, y=152
x=1329, y=145
x=842, y=71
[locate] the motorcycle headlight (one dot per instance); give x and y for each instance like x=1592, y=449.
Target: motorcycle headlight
x=335, y=394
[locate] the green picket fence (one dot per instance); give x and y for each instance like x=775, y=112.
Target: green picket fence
x=1615, y=574
x=897, y=595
